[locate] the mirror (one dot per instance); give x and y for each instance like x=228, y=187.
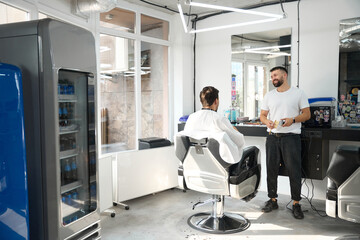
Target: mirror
x=349, y=71
x=253, y=55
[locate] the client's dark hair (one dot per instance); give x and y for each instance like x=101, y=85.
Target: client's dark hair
x=279, y=68
x=208, y=95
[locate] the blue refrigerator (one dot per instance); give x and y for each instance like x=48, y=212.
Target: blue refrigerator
x=58, y=67
x=14, y=206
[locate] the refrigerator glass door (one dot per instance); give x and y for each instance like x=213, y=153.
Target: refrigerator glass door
x=77, y=154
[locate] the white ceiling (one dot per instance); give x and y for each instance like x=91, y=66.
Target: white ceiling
x=172, y=4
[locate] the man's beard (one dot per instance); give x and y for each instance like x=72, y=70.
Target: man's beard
x=279, y=82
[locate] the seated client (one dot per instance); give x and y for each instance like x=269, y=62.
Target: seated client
x=208, y=123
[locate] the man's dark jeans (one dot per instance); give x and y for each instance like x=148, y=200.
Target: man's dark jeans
x=288, y=148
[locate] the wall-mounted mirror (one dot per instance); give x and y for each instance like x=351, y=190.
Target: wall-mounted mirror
x=253, y=55
x=349, y=71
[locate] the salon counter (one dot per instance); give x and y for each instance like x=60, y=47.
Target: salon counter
x=342, y=134
x=315, y=145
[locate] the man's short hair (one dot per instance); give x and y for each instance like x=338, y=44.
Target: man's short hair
x=279, y=68
x=208, y=95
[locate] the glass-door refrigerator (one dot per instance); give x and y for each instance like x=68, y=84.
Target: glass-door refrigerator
x=58, y=65
x=77, y=156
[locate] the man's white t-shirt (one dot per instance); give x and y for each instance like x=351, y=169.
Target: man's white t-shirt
x=286, y=104
x=208, y=123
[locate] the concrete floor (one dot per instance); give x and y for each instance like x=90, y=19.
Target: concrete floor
x=163, y=216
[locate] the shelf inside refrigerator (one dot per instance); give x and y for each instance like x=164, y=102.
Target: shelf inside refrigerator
x=67, y=132
x=92, y=148
x=92, y=178
x=73, y=128
x=68, y=153
x=67, y=98
x=71, y=206
x=71, y=186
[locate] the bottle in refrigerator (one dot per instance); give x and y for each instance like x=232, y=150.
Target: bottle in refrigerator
x=73, y=169
x=65, y=115
x=67, y=171
x=92, y=164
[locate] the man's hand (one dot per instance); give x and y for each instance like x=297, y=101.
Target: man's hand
x=287, y=122
x=270, y=124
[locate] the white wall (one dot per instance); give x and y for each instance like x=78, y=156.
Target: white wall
x=183, y=71
x=319, y=54
x=319, y=30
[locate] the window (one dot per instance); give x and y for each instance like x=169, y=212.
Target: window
x=118, y=19
x=256, y=89
x=133, y=80
x=154, y=27
x=250, y=85
x=10, y=14
x=237, y=85
x=117, y=89
x=154, y=90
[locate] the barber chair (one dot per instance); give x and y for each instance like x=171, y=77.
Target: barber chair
x=202, y=169
x=343, y=191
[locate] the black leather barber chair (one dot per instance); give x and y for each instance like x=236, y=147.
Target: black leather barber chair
x=343, y=189
x=204, y=170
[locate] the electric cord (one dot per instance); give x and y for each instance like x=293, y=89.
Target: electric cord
x=254, y=40
x=165, y=7
x=282, y=8
x=298, y=43
x=194, y=52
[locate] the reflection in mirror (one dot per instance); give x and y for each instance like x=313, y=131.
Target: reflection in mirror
x=253, y=55
x=349, y=71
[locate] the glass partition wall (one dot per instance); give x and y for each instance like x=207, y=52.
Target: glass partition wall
x=133, y=79
x=253, y=55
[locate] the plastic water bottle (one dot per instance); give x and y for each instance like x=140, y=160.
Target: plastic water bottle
x=92, y=164
x=60, y=113
x=73, y=169
x=65, y=115
x=75, y=195
x=67, y=171
x=69, y=200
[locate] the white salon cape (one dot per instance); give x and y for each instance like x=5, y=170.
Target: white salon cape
x=210, y=124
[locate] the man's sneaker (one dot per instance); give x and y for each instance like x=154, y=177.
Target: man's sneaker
x=270, y=205
x=298, y=213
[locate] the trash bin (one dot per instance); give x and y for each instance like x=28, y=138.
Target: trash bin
x=153, y=142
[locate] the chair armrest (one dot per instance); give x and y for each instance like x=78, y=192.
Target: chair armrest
x=244, y=174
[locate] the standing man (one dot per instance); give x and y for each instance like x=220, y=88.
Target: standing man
x=283, y=109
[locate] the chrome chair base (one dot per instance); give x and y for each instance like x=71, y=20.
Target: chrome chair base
x=227, y=223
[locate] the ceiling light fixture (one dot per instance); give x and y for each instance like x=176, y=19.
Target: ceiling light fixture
x=182, y=17
x=266, y=48
x=269, y=52
x=260, y=50
x=271, y=17
x=231, y=9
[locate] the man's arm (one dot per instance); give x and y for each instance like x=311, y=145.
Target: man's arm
x=305, y=115
x=265, y=120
